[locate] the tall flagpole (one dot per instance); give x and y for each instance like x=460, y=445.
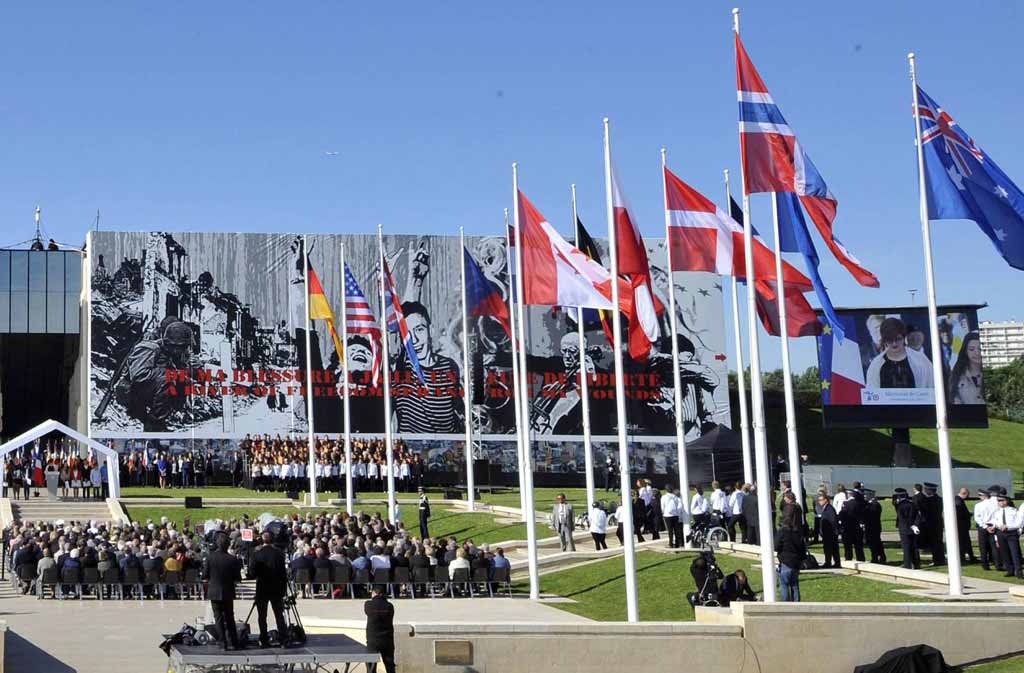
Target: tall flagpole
x=956, y=587
x=346, y=408
x=629, y=552
x=521, y=430
x=764, y=482
x=311, y=438
x=526, y=477
x=467, y=382
x=796, y=482
x=388, y=441
x=741, y=386
x=588, y=445
x=684, y=469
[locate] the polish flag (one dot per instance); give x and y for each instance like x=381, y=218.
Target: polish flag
x=554, y=272
x=704, y=238
x=633, y=263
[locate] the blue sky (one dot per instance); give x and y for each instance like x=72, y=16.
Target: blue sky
x=217, y=116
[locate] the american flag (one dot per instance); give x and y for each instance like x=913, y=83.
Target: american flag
x=359, y=319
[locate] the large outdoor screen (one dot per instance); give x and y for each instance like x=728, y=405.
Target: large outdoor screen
x=880, y=374
x=234, y=362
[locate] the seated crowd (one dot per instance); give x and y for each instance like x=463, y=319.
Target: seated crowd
x=328, y=555
x=280, y=464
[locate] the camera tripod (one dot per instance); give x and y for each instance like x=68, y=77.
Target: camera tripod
x=295, y=633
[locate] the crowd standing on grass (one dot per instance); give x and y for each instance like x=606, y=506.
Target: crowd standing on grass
x=362, y=541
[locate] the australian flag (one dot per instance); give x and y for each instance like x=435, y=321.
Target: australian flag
x=963, y=183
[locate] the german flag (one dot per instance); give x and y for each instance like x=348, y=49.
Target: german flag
x=320, y=309
x=586, y=244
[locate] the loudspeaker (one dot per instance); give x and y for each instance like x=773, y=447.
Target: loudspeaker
x=193, y=502
x=481, y=471
x=452, y=494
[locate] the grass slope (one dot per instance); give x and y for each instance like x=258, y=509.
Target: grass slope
x=664, y=580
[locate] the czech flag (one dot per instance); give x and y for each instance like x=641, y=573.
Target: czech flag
x=483, y=298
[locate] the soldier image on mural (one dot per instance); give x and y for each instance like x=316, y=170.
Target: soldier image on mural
x=203, y=334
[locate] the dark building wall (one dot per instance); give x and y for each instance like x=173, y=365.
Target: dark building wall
x=36, y=371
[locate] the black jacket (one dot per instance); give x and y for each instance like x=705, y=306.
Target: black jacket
x=380, y=624
x=732, y=590
x=789, y=545
x=224, y=572
x=749, y=510
x=829, y=521
x=906, y=516
x=267, y=565
x=873, y=517
x=963, y=514
x=852, y=514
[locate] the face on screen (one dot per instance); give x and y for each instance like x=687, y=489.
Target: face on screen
x=974, y=352
x=420, y=330
x=896, y=349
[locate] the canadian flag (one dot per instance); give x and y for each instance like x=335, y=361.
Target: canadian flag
x=557, y=274
x=633, y=263
x=704, y=238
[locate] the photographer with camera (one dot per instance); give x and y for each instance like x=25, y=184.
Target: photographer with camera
x=224, y=572
x=268, y=566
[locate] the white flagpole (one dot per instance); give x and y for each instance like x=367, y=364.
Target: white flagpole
x=521, y=430
x=526, y=477
x=311, y=438
x=956, y=586
x=388, y=440
x=796, y=483
x=764, y=482
x=588, y=445
x=345, y=393
x=684, y=469
x=741, y=386
x=629, y=552
x=467, y=381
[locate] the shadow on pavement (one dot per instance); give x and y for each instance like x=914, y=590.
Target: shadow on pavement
x=21, y=655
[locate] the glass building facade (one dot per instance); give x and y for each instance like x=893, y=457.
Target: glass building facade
x=40, y=292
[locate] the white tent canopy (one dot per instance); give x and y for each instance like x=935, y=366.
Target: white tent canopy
x=109, y=454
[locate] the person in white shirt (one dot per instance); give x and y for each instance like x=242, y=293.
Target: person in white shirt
x=986, y=542
x=1005, y=523
x=620, y=514
x=734, y=511
x=671, y=506
x=460, y=561
x=718, y=501
x=404, y=474
x=839, y=498
x=598, y=527
x=380, y=560
x=373, y=475
x=699, y=507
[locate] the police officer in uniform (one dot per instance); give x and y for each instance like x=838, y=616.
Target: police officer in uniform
x=907, y=520
x=424, y=511
x=224, y=571
x=267, y=565
x=931, y=513
x=873, y=527
x=851, y=517
x=986, y=542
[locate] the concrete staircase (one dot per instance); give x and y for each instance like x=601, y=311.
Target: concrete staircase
x=42, y=509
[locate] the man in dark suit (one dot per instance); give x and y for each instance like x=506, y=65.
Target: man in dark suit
x=829, y=529
x=908, y=524
x=224, y=572
x=873, y=527
x=267, y=565
x=750, y=515
x=380, y=629
x=424, y=510
x=931, y=514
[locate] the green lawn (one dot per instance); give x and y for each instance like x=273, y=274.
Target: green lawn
x=478, y=526
x=1011, y=665
x=663, y=581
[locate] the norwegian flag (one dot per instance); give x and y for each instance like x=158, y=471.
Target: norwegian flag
x=774, y=161
x=395, y=319
x=359, y=319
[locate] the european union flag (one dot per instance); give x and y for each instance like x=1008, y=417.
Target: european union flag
x=963, y=183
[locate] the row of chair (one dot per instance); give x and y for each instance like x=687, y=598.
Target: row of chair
x=434, y=580
x=187, y=583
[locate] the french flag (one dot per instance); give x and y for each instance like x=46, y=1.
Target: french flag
x=774, y=161
x=483, y=298
x=704, y=238
x=842, y=375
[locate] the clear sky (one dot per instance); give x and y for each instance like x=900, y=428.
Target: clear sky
x=219, y=117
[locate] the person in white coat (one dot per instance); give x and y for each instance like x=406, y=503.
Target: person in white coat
x=898, y=366
x=598, y=526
